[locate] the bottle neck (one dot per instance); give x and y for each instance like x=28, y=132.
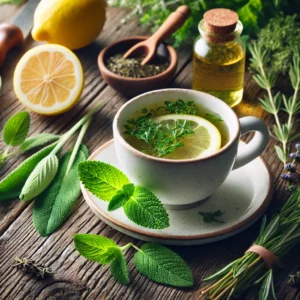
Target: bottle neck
x=217, y=38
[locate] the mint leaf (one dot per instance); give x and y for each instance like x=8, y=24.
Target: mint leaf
x=145, y=209
x=16, y=129
x=96, y=248
x=119, y=268
x=121, y=197
x=101, y=179
x=12, y=184
x=52, y=208
x=162, y=265
x=38, y=141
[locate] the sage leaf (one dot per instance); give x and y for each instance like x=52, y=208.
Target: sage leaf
x=121, y=197
x=162, y=265
x=12, y=184
x=119, y=268
x=145, y=209
x=16, y=129
x=38, y=141
x=52, y=207
x=101, y=179
x=96, y=248
x=40, y=178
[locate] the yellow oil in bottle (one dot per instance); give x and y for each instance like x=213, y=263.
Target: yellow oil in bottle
x=220, y=73
x=219, y=59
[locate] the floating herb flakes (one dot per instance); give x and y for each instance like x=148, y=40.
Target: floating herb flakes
x=131, y=67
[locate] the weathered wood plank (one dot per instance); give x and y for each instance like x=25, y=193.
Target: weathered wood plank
x=77, y=278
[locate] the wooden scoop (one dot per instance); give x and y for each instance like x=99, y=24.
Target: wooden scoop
x=148, y=47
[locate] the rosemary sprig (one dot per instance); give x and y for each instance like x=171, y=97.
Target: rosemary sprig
x=266, y=77
x=29, y=266
x=279, y=236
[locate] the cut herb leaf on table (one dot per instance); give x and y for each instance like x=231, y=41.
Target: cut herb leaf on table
x=154, y=261
x=108, y=183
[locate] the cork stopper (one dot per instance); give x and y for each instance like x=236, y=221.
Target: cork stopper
x=220, y=20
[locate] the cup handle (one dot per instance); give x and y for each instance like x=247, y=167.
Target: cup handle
x=256, y=145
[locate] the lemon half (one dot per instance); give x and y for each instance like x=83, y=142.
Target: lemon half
x=49, y=79
x=205, y=141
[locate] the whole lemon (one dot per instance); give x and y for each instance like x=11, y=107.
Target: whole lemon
x=70, y=23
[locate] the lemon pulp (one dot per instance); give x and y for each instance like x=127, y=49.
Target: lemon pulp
x=205, y=141
x=49, y=79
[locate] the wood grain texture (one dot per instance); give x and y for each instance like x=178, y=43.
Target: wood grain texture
x=75, y=277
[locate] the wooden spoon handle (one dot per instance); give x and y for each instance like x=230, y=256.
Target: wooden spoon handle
x=10, y=37
x=172, y=23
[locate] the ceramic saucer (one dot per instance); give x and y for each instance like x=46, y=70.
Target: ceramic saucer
x=243, y=197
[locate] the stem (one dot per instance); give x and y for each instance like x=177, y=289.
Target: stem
x=77, y=144
x=5, y=153
x=229, y=287
x=130, y=245
x=289, y=124
x=274, y=108
x=69, y=133
x=208, y=288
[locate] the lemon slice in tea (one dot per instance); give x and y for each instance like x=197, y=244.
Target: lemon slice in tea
x=205, y=140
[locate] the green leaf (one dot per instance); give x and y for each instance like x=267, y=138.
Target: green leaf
x=145, y=209
x=162, y=265
x=11, y=185
x=40, y=178
x=11, y=1
x=101, y=179
x=38, y=141
x=96, y=248
x=266, y=286
x=119, y=268
x=279, y=152
x=52, y=208
x=121, y=197
x=16, y=129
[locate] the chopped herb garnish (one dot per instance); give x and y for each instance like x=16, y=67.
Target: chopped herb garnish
x=213, y=118
x=181, y=107
x=209, y=216
x=161, y=139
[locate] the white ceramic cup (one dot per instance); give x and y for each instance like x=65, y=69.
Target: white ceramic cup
x=182, y=183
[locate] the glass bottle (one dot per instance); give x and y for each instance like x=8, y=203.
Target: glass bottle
x=219, y=56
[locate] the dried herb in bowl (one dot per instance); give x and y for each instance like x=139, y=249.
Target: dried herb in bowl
x=131, y=67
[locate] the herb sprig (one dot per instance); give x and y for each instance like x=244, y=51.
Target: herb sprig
x=154, y=261
x=266, y=77
x=108, y=183
x=211, y=216
x=29, y=266
x=279, y=236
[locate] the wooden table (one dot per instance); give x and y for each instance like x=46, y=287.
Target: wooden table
x=76, y=277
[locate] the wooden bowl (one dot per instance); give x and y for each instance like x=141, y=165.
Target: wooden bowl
x=128, y=86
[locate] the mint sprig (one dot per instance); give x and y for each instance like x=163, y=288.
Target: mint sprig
x=110, y=184
x=154, y=261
